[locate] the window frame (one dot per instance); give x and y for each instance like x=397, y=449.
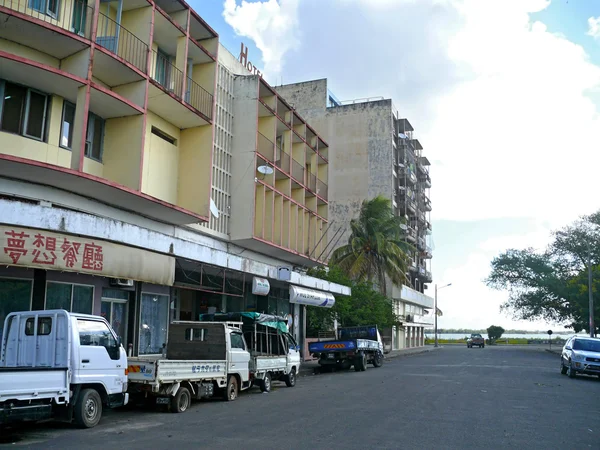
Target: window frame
x=72, y=291
x=62, y=122
x=89, y=141
x=45, y=7
x=25, y=111
x=30, y=280
x=139, y=319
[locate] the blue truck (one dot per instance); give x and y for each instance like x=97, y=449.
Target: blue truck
x=355, y=346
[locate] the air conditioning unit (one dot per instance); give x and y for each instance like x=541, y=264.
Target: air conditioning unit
x=409, y=318
x=121, y=282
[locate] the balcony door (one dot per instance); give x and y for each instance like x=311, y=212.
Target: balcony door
x=163, y=69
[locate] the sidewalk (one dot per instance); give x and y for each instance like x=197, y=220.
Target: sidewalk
x=308, y=367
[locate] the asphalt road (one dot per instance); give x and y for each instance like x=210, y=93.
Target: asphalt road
x=451, y=398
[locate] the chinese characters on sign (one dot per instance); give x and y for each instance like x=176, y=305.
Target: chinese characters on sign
x=36, y=249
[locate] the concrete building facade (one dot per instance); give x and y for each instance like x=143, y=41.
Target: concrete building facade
x=373, y=152
x=118, y=167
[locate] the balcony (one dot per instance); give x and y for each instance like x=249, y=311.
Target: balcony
x=297, y=171
x=57, y=28
x=411, y=233
x=311, y=182
x=266, y=147
x=425, y=203
x=425, y=180
x=421, y=244
x=322, y=189
x=115, y=40
x=199, y=98
x=422, y=319
x=427, y=253
x=166, y=99
x=283, y=162
x=95, y=187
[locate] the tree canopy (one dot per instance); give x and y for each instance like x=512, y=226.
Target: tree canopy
x=376, y=246
x=494, y=332
x=366, y=306
x=553, y=284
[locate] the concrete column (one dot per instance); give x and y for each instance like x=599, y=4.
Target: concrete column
x=80, y=128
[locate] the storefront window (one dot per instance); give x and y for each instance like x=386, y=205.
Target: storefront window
x=15, y=295
x=75, y=298
x=154, y=321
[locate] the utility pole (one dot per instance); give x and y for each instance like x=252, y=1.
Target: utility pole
x=590, y=293
x=435, y=312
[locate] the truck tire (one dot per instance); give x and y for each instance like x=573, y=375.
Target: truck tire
x=181, y=401
x=378, y=360
x=231, y=391
x=290, y=379
x=265, y=386
x=360, y=363
x=88, y=409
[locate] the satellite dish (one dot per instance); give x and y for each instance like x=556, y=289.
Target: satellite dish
x=213, y=209
x=265, y=170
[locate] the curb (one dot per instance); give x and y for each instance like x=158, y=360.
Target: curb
x=554, y=352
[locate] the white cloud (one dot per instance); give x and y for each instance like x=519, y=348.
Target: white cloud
x=272, y=25
x=594, y=27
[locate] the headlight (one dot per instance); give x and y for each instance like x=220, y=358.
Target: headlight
x=577, y=357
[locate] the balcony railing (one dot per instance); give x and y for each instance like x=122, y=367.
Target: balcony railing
x=75, y=16
x=266, y=147
x=297, y=171
x=311, y=182
x=283, y=162
x=199, y=98
x=122, y=42
x=322, y=189
x=167, y=75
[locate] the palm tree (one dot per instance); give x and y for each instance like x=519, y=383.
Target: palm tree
x=376, y=248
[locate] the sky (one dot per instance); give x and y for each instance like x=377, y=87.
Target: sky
x=503, y=95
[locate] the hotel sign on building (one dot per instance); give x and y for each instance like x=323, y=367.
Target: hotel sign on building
x=52, y=251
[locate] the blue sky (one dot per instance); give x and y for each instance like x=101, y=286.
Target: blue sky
x=503, y=95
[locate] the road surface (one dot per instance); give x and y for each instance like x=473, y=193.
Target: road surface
x=451, y=398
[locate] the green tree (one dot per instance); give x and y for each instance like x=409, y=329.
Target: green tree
x=375, y=247
x=552, y=285
x=494, y=333
x=366, y=306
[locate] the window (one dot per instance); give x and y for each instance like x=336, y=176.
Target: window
x=79, y=20
x=44, y=326
x=154, y=321
x=164, y=136
x=15, y=295
x=68, y=121
x=49, y=7
x=97, y=334
x=95, y=137
x=237, y=341
x=196, y=334
x=70, y=297
x=23, y=111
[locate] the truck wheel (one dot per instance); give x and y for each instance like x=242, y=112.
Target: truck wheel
x=88, y=409
x=482, y=345
x=360, y=363
x=231, y=391
x=290, y=379
x=265, y=386
x=378, y=360
x=182, y=400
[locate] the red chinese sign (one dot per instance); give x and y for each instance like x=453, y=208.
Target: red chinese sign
x=46, y=249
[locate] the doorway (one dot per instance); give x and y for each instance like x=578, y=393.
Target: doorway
x=114, y=310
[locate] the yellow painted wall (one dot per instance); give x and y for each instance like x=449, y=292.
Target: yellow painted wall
x=161, y=161
x=138, y=21
x=204, y=75
x=135, y=92
x=195, y=166
x=29, y=53
x=122, y=150
x=47, y=152
x=77, y=63
x=93, y=167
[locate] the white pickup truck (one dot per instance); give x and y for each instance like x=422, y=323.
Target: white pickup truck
x=202, y=359
x=58, y=365
x=274, y=354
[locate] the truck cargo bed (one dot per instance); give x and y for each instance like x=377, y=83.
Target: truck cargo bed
x=28, y=383
x=148, y=370
x=343, y=346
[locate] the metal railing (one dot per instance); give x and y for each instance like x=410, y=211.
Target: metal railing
x=297, y=171
x=283, y=160
x=75, y=16
x=322, y=189
x=266, y=147
x=122, y=42
x=311, y=182
x=199, y=98
x=166, y=74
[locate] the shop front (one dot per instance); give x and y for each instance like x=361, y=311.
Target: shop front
x=40, y=269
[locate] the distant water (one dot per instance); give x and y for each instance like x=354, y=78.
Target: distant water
x=509, y=335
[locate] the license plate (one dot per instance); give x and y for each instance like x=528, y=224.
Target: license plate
x=163, y=401
x=331, y=356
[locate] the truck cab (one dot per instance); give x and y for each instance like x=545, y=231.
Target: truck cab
x=56, y=364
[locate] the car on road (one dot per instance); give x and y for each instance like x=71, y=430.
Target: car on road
x=476, y=340
x=580, y=354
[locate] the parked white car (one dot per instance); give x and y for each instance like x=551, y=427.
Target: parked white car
x=580, y=354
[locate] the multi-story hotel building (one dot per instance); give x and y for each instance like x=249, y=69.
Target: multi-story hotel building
x=373, y=152
x=146, y=178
